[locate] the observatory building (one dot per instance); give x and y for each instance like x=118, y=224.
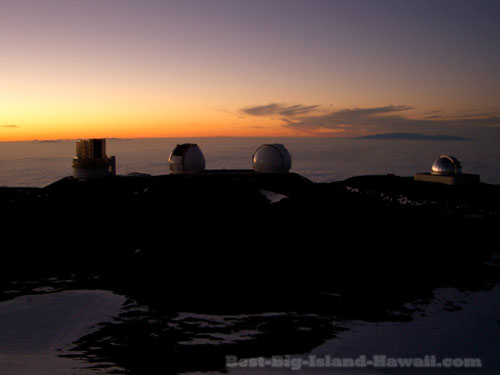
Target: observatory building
x=186, y=158
x=447, y=170
x=91, y=160
x=272, y=158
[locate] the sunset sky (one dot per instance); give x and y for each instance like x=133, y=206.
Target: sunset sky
x=160, y=68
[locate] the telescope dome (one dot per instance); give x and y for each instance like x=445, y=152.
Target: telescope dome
x=272, y=158
x=186, y=158
x=446, y=165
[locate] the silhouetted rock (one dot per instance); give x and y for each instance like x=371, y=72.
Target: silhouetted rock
x=218, y=226
x=213, y=243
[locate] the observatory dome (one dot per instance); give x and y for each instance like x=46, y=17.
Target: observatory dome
x=186, y=158
x=272, y=158
x=446, y=165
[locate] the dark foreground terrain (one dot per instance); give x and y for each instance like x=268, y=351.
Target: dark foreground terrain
x=239, y=244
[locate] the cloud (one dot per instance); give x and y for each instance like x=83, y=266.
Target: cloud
x=358, y=117
x=9, y=126
x=388, y=119
x=279, y=109
x=374, y=120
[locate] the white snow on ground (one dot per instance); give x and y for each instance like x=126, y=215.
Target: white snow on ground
x=34, y=329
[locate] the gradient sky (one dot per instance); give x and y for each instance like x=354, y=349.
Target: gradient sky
x=159, y=68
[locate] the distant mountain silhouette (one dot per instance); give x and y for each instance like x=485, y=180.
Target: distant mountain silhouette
x=47, y=140
x=414, y=136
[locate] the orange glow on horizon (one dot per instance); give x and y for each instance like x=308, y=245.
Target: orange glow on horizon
x=48, y=120
x=167, y=132
x=21, y=132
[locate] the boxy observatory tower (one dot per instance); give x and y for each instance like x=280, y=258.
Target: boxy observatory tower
x=91, y=160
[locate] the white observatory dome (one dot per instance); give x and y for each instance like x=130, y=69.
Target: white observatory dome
x=272, y=158
x=446, y=165
x=186, y=158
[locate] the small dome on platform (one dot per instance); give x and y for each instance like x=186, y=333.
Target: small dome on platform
x=272, y=158
x=186, y=158
x=446, y=165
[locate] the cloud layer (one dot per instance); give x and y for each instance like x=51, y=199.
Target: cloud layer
x=389, y=118
x=273, y=109
x=357, y=117
x=9, y=126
